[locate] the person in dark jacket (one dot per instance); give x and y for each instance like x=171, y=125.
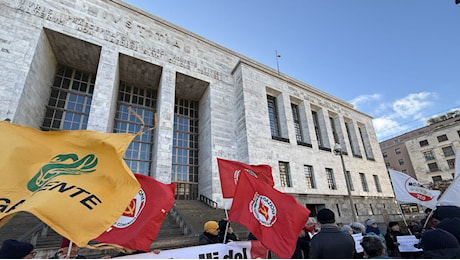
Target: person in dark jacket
x=210, y=234
x=439, y=244
x=14, y=249
x=330, y=242
x=391, y=240
x=230, y=236
x=373, y=247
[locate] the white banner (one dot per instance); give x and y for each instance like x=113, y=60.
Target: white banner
x=409, y=190
x=406, y=244
x=232, y=250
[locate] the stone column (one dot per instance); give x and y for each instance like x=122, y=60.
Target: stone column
x=103, y=105
x=164, y=131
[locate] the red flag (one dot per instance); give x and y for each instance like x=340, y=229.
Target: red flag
x=139, y=225
x=274, y=218
x=229, y=172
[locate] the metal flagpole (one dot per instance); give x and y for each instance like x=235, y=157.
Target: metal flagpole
x=277, y=65
x=226, y=226
x=404, y=218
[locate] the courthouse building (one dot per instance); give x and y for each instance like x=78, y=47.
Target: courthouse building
x=81, y=64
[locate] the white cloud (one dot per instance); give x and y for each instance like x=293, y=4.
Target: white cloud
x=386, y=127
x=412, y=105
x=364, y=99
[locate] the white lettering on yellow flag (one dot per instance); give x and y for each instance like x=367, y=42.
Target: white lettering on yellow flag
x=74, y=181
x=409, y=190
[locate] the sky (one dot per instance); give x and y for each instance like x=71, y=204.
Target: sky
x=397, y=61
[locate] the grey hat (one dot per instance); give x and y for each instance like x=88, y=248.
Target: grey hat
x=370, y=221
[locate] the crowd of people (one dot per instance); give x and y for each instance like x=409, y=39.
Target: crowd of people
x=438, y=236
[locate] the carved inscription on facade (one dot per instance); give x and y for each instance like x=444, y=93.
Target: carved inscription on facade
x=127, y=36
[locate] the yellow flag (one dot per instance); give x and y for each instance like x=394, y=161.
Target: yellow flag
x=74, y=181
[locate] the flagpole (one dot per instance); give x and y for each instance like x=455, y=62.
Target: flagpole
x=277, y=65
x=404, y=218
x=70, y=249
x=226, y=226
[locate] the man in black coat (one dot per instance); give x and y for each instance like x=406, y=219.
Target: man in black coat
x=330, y=242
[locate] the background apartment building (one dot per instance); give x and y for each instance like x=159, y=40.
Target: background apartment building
x=82, y=64
x=427, y=153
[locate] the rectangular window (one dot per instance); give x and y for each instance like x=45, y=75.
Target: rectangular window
x=401, y=162
x=451, y=163
x=448, y=151
x=428, y=155
x=433, y=167
x=364, y=182
x=309, y=176
x=330, y=179
x=184, y=167
x=436, y=179
x=377, y=183
x=350, y=182
x=70, y=100
x=398, y=151
x=273, y=116
x=423, y=143
x=317, y=128
x=138, y=156
x=285, y=177
x=334, y=131
x=385, y=154
x=297, y=125
x=442, y=138
x=387, y=164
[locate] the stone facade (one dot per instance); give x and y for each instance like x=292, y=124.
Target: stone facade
x=116, y=41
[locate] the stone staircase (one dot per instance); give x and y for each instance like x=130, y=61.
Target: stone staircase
x=181, y=228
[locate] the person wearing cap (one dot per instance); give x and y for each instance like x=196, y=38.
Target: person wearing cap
x=391, y=240
x=439, y=244
x=330, y=242
x=210, y=234
x=373, y=229
x=14, y=249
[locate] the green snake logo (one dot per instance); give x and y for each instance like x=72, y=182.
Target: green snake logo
x=62, y=164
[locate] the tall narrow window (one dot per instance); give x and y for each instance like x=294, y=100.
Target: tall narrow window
x=330, y=179
x=297, y=125
x=317, y=128
x=285, y=177
x=350, y=182
x=334, y=131
x=184, y=169
x=377, y=183
x=70, y=100
x=353, y=139
x=309, y=176
x=366, y=143
x=451, y=163
x=273, y=116
x=138, y=156
x=364, y=182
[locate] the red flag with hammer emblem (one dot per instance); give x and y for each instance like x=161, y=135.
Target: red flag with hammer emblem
x=140, y=223
x=274, y=218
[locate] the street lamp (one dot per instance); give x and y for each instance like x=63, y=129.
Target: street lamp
x=338, y=150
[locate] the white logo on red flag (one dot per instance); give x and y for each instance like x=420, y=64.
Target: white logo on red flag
x=263, y=209
x=131, y=212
